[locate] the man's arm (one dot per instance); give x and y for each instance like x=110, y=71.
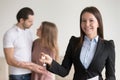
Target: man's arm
x=9, y=55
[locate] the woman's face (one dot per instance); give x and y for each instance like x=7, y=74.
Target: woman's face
x=39, y=32
x=89, y=24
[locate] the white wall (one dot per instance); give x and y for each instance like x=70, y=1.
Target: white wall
x=65, y=13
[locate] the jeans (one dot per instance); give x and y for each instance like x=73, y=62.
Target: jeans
x=20, y=77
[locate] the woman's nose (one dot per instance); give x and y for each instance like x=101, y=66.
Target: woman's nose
x=87, y=24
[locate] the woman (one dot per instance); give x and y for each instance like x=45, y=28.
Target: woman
x=89, y=53
x=47, y=43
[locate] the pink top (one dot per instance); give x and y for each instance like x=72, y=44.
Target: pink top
x=35, y=58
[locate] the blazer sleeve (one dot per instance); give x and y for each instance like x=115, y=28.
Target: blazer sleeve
x=110, y=62
x=64, y=68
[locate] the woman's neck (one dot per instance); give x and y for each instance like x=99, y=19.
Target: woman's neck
x=91, y=36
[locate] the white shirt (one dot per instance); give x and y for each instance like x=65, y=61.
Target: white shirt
x=21, y=41
x=88, y=51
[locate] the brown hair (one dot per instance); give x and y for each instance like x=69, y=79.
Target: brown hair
x=24, y=13
x=49, y=35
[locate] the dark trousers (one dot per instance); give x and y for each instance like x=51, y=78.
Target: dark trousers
x=20, y=77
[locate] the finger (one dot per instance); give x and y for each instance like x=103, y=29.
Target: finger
x=42, y=53
x=41, y=60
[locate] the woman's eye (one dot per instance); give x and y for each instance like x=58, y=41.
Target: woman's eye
x=91, y=20
x=83, y=20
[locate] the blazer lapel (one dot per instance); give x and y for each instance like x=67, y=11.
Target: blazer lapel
x=98, y=50
x=78, y=58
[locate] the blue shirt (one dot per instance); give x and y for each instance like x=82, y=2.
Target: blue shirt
x=88, y=51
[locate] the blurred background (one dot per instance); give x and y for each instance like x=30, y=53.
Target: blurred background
x=65, y=14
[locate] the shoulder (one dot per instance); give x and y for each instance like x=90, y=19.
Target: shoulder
x=73, y=38
x=109, y=43
x=36, y=41
x=10, y=32
x=74, y=41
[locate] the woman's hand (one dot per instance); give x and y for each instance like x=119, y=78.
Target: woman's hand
x=47, y=59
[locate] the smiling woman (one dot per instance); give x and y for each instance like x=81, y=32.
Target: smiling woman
x=65, y=13
x=90, y=53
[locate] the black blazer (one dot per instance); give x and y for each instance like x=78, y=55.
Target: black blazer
x=104, y=57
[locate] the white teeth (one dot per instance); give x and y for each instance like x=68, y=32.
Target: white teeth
x=88, y=28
